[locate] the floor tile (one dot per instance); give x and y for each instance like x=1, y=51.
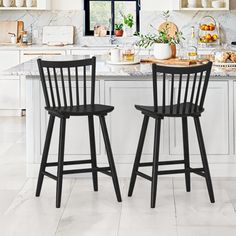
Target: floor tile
x=28, y=215
x=206, y=231
x=195, y=209
x=165, y=231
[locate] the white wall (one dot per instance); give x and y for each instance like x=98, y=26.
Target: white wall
x=67, y=4
x=156, y=5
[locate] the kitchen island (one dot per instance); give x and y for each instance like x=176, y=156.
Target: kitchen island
x=123, y=87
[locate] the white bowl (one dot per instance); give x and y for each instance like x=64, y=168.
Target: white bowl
x=217, y=4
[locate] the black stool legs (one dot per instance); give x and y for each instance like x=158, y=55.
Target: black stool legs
x=138, y=155
x=110, y=158
x=45, y=154
x=60, y=161
x=186, y=153
x=93, y=153
x=155, y=161
x=204, y=159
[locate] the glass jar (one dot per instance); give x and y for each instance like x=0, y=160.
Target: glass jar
x=224, y=54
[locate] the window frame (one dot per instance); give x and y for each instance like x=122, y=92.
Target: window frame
x=89, y=32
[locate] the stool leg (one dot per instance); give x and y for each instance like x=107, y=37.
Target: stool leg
x=204, y=158
x=186, y=153
x=155, y=161
x=60, y=161
x=138, y=155
x=110, y=157
x=93, y=153
x=45, y=154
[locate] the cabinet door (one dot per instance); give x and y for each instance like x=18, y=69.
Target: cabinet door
x=215, y=124
x=9, y=85
x=155, y=5
x=125, y=121
x=77, y=133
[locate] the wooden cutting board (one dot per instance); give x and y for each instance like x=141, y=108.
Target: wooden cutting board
x=172, y=28
x=172, y=61
x=15, y=27
x=5, y=28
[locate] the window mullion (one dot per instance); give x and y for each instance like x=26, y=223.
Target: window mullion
x=112, y=15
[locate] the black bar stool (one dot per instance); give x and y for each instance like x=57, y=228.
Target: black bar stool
x=189, y=102
x=63, y=102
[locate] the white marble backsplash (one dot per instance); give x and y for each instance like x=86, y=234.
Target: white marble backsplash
x=35, y=20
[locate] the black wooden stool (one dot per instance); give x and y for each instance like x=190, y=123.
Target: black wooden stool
x=188, y=103
x=62, y=102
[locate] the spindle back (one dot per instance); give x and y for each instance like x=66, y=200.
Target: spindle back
x=187, y=90
x=61, y=85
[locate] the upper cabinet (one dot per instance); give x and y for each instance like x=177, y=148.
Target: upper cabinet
x=187, y=5
x=67, y=4
x=156, y=5
x=25, y=5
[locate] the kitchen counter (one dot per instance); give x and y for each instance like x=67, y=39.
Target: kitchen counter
x=123, y=87
x=139, y=71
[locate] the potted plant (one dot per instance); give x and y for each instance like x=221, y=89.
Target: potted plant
x=119, y=30
x=129, y=23
x=163, y=45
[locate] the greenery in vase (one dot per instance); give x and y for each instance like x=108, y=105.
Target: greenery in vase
x=119, y=26
x=128, y=20
x=161, y=37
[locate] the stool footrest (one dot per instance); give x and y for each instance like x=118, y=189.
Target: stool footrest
x=49, y=175
x=87, y=170
x=198, y=171
x=67, y=163
x=162, y=163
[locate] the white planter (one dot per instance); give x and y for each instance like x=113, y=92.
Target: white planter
x=19, y=3
x=162, y=51
x=128, y=32
x=7, y=3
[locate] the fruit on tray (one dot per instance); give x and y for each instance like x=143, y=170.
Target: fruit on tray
x=208, y=27
x=209, y=38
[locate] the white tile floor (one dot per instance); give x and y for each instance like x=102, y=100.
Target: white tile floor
x=86, y=213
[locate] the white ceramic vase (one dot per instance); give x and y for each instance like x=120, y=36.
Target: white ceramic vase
x=19, y=3
x=205, y=3
x=29, y=3
x=162, y=51
x=7, y=3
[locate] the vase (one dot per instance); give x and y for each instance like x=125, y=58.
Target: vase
x=7, y=3
x=19, y=3
x=128, y=32
x=205, y=3
x=29, y=3
x=162, y=51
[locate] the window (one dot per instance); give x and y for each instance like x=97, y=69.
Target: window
x=100, y=11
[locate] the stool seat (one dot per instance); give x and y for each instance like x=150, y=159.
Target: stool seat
x=81, y=110
x=180, y=110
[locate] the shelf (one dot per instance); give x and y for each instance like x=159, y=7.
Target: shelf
x=19, y=8
x=204, y=9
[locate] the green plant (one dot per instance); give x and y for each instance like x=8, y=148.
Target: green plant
x=161, y=37
x=119, y=26
x=128, y=20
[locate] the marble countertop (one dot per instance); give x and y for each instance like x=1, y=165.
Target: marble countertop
x=30, y=69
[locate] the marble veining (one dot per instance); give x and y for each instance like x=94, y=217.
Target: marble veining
x=140, y=71
x=35, y=20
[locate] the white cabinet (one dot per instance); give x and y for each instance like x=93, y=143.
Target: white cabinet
x=9, y=85
x=215, y=124
x=37, y=5
x=155, y=5
x=125, y=122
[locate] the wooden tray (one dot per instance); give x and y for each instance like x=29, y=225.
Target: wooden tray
x=173, y=61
